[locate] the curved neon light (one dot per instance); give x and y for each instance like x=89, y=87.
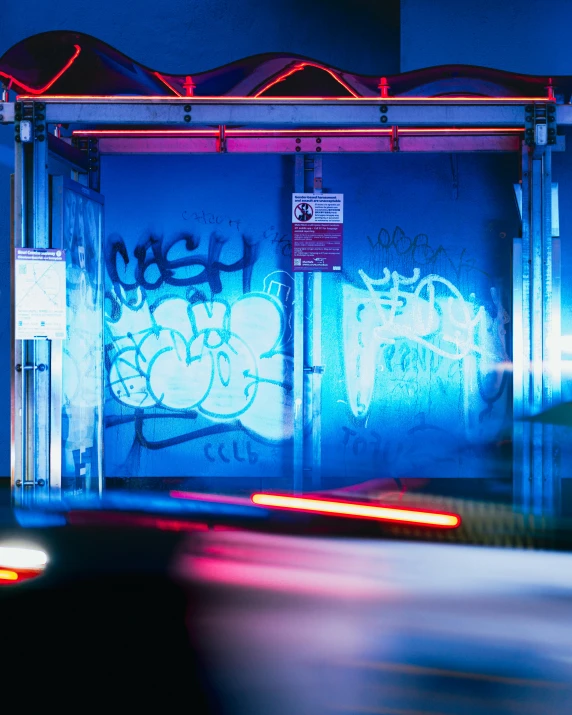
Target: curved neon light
x=54, y=79
x=364, y=511
x=299, y=67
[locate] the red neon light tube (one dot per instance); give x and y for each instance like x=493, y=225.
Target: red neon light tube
x=365, y=511
x=45, y=88
x=301, y=66
x=164, y=81
x=281, y=100
x=145, y=132
x=288, y=132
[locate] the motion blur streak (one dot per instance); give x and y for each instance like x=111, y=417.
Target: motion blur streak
x=8, y=575
x=418, y=670
x=366, y=511
x=23, y=557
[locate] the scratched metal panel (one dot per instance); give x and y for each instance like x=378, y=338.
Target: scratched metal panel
x=417, y=381
x=199, y=301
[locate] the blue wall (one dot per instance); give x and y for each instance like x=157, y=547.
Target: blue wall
x=527, y=36
x=199, y=308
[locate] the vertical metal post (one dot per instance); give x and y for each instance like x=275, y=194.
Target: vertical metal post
x=520, y=363
x=535, y=343
x=41, y=348
x=298, y=457
x=56, y=356
x=19, y=467
x=316, y=279
x=549, y=502
x=556, y=299
x=556, y=355
x=556, y=338
x=31, y=383
x=536, y=323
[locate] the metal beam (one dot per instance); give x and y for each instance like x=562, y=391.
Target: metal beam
x=267, y=113
x=78, y=109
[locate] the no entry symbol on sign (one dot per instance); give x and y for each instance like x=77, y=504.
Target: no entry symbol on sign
x=303, y=212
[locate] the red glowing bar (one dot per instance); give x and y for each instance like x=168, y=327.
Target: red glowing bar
x=51, y=82
x=145, y=132
x=364, y=511
x=289, y=132
x=293, y=100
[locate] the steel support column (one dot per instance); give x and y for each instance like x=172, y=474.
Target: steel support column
x=535, y=342
x=299, y=300
x=31, y=376
x=316, y=354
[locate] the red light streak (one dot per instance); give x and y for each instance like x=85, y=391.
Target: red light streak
x=145, y=132
x=10, y=576
x=164, y=81
x=291, y=132
x=71, y=98
x=364, y=511
x=51, y=82
x=301, y=66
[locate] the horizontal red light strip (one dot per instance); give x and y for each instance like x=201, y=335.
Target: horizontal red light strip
x=51, y=82
x=287, y=132
x=293, y=100
x=146, y=132
x=365, y=511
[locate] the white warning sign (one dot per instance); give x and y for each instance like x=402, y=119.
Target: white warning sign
x=40, y=294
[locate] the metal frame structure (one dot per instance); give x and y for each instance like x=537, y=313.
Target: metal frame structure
x=306, y=128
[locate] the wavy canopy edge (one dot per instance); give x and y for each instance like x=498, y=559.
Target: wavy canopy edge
x=77, y=64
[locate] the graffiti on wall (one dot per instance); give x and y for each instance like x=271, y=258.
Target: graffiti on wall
x=179, y=344
x=198, y=349
x=402, y=329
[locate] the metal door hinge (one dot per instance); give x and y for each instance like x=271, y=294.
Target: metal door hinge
x=540, y=126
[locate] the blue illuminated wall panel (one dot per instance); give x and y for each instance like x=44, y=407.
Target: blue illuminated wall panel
x=199, y=316
x=416, y=382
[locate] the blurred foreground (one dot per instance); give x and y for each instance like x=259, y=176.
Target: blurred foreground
x=218, y=608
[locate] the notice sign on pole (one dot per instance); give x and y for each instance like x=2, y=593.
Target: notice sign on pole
x=317, y=232
x=40, y=284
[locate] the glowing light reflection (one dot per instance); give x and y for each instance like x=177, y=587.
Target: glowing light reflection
x=364, y=511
